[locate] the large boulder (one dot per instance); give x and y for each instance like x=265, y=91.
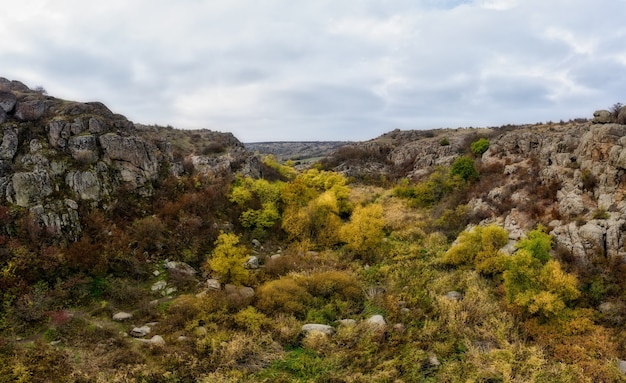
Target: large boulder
x=7, y=101
x=30, y=110
x=602, y=117
x=621, y=116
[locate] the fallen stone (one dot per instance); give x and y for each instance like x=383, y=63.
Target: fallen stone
x=310, y=328
x=140, y=332
x=376, y=320
x=213, y=284
x=252, y=263
x=7, y=101
x=122, y=316
x=158, y=286
x=454, y=296
x=347, y=322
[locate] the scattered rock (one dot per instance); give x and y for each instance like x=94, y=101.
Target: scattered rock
x=252, y=263
x=399, y=328
x=433, y=361
x=140, y=332
x=122, y=316
x=157, y=339
x=376, y=320
x=454, y=296
x=156, y=273
x=170, y=290
x=158, y=285
x=242, y=291
x=180, y=267
x=213, y=284
x=319, y=328
x=256, y=243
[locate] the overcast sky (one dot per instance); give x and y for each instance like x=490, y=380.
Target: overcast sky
x=286, y=70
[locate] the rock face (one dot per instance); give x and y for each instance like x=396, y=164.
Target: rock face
x=56, y=156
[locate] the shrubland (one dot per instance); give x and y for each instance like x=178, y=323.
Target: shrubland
x=459, y=303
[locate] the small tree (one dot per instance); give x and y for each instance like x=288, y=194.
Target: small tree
x=228, y=258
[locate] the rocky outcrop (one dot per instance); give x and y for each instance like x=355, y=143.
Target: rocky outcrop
x=56, y=155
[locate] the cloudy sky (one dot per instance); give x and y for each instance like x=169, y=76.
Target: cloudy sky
x=288, y=70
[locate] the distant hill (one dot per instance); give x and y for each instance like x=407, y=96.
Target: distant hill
x=298, y=151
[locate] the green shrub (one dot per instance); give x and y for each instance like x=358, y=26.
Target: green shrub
x=444, y=142
x=465, y=168
x=479, y=146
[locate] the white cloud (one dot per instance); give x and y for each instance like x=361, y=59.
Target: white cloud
x=278, y=69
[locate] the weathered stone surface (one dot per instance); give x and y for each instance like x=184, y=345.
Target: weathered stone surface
x=318, y=328
x=7, y=101
x=10, y=143
x=132, y=150
x=30, y=188
x=84, y=149
x=3, y=116
x=85, y=184
x=180, y=267
x=347, y=322
x=602, y=117
x=58, y=133
x=621, y=116
x=30, y=110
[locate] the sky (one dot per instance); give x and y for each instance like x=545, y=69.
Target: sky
x=321, y=70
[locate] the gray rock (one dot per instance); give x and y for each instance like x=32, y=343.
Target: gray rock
x=242, y=291
x=10, y=143
x=621, y=364
x=30, y=188
x=310, y=328
x=602, y=117
x=158, y=286
x=252, y=263
x=58, y=133
x=180, y=267
x=122, y=316
x=453, y=296
x=376, y=320
x=213, y=284
x=157, y=340
x=7, y=101
x=434, y=361
x=3, y=116
x=84, y=149
x=140, y=332
x=85, y=183
x=621, y=116
x=30, y=110
x=256, y=243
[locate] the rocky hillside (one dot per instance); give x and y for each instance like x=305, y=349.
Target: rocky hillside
x=297, y=151
x=569, y=176
x=57, y=156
